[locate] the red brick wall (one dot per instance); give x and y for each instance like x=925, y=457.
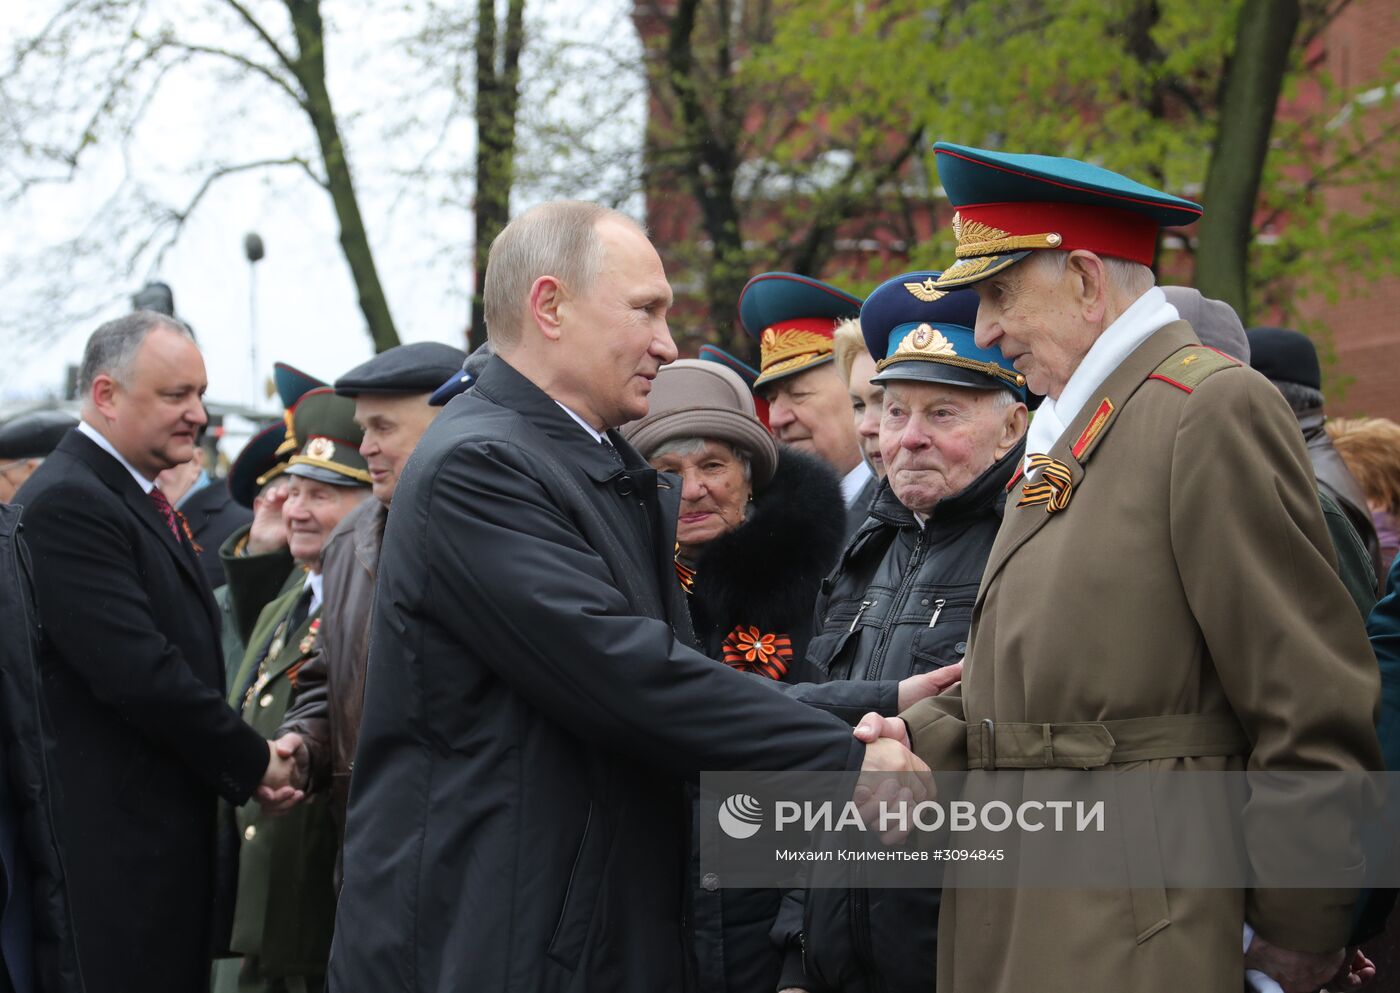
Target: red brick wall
x=1364, y=324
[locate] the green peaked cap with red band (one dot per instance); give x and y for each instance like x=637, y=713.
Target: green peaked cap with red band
x=1011, y=204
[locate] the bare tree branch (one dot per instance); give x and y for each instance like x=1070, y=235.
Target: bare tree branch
x=244, y=62
x=291, y=65
x=174, y=219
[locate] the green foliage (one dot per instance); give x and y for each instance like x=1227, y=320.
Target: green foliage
x=1133, y=85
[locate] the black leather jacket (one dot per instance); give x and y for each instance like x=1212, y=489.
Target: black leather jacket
x=899, y=603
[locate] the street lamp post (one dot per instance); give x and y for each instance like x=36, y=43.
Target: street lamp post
x=253, y=251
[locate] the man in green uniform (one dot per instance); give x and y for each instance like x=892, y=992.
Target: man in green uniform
x=1162, y=590
x=255, y=559
x=285, y=907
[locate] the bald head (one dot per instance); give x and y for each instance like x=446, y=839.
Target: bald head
x=558, y=239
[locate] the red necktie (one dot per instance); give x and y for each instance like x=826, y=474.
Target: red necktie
x=166, y=511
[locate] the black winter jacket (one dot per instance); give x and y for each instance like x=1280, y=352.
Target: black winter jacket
x=36, y=926
x=899, y=603
x=765, y=573
x=517, y=815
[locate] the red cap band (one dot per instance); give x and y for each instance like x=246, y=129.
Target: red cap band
x=1109, y=231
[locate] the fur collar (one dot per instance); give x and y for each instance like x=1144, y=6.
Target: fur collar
x=767, y=571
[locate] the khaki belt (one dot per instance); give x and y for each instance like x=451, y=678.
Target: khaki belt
x=1090, y=744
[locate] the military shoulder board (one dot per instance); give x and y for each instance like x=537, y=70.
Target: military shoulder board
x=1187, y=368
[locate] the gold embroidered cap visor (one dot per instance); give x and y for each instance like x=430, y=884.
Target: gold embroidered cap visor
x=790, y=352
x=965, y=272
x=793, y=318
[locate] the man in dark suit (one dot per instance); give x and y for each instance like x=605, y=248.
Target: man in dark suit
x=517, y=812
x=132, y=667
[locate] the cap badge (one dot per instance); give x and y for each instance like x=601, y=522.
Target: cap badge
x=926, y=291
x=928, y=341
x=321, y=449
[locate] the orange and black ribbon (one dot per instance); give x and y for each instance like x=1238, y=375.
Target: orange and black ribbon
x=189, y=533
x=750, y=650
x=685, y=574
x=1051, y=488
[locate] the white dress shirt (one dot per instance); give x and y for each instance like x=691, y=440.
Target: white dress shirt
x=101, y=441
x=594, y=432
x=854, y=481
x=313, y=583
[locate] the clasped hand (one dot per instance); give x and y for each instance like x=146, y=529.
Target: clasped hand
x=891, y=776
x=284, y=782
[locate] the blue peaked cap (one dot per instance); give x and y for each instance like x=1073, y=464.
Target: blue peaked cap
x=915, y=331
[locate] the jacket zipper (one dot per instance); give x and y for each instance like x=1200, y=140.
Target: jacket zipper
x=937, y=609
x=864, y=606
x=911, y=571
x=865, y=946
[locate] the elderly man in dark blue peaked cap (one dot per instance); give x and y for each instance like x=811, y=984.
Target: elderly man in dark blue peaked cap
x=900, y=600
x=1162, y=588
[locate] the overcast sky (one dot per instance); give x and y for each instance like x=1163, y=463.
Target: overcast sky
x=304, y=310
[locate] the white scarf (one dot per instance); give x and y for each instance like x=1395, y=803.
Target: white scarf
x=1120, y=339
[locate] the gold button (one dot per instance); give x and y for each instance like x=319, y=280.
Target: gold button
x=266, y=700
x=1052, y=239
x=250, y=832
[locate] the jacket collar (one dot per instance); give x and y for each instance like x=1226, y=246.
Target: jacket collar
x=1313, y=422
x=1021, y=523
x=502, y=384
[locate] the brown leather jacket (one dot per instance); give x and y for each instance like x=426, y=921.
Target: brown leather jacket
x=330, y=687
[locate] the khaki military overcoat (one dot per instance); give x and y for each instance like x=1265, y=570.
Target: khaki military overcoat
x=1189, y=573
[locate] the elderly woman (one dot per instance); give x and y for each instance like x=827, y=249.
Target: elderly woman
x=759, y=527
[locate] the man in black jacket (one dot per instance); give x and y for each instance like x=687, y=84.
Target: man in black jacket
x=38, y=953
x=132, y=668
x=1289, y=360
x=517, y=814
x=900, y=600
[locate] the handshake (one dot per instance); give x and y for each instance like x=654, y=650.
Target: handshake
x=891, y=774
x=288, y=771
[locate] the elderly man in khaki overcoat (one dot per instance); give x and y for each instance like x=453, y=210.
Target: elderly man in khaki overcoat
x=1163, y=570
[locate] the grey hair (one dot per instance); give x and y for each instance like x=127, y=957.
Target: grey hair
x=113, y=346
x=1302, y=399
x=558, y=239
x=1003, y=398
x=1132, y=278
x=694, y=446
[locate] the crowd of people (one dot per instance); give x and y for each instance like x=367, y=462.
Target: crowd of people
x=417, y=697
